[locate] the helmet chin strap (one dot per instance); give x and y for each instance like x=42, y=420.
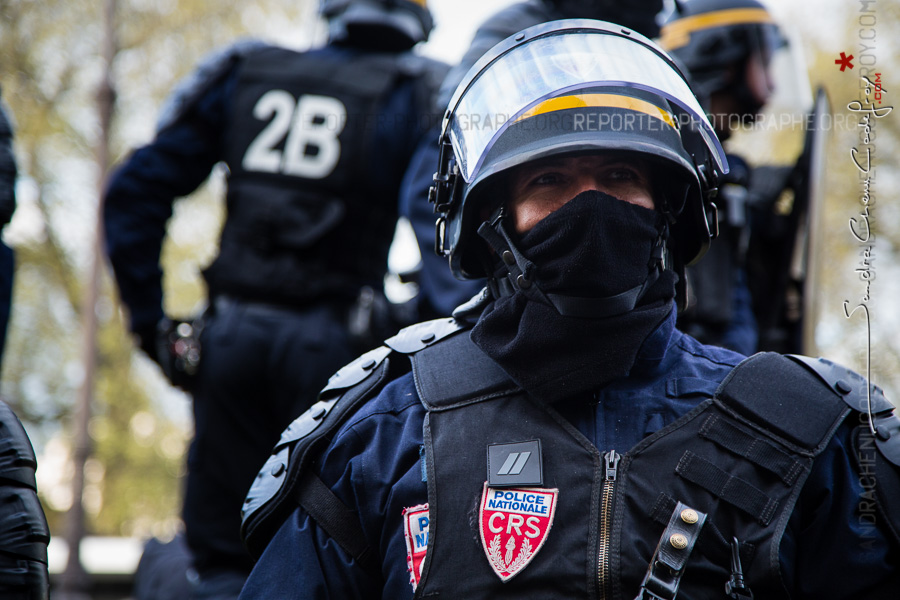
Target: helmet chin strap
x=514, y=272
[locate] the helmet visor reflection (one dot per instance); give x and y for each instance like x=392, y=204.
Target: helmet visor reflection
x=556, y=64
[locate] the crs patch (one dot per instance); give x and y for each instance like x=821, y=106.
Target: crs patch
x=415, y=529
x=514, y=523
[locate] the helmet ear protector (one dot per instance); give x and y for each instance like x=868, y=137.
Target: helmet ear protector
x=574, y=87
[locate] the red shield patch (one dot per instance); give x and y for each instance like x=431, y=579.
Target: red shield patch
x=415, y=528
x=514, y=525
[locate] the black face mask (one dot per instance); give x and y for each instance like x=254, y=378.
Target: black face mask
x=595, y=247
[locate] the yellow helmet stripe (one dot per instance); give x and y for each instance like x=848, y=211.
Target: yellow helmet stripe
x=598, y=101
x=678, y=33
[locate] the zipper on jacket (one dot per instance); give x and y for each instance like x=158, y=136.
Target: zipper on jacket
x=611, y=459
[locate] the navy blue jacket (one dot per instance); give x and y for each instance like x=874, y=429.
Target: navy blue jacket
x=141, y=192
x=373, y=465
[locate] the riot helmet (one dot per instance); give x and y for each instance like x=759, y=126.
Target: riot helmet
x=567, y=88
x=639, y=15
x=392, y=25
x=716, y=41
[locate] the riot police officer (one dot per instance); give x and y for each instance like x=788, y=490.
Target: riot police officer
x=558, y=437
x=315, y=144
x=439, y=291
x=726, y=47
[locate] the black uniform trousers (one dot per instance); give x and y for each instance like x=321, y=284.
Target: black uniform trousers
x=262, y=366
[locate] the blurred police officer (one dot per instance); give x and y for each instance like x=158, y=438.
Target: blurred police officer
x=439, y=291
x=8, y=174
x=726, y=47
x=24, y=534
x=315, y=144
x=558, y=437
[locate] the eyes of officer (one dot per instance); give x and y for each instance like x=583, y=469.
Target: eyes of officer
x=541, y=187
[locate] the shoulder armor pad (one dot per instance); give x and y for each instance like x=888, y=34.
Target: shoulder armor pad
x=271, y=498
x=421, y=335
x=849, y=385
x=207, y=73
x=353, y=373
x=785, y=400
x=855, y=391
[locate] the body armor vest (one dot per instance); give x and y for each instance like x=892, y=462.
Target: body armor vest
x=736, y=463
x=304, y=219
x=611, y=511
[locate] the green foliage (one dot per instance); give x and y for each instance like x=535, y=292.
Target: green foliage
x=49, y=75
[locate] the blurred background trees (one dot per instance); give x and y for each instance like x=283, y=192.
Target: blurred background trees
x=50, y=70
x=49, y=73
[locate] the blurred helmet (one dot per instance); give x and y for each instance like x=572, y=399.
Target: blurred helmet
x=567, y=88
x=639, y=15
x=382, y=24
x=714, y=39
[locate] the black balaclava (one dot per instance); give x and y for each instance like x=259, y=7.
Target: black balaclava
x=590, y=288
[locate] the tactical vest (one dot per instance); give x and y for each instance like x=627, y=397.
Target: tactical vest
x=304, y=218
x=667, y=516
x=610, y=518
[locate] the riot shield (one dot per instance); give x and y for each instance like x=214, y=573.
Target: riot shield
x=782, y=266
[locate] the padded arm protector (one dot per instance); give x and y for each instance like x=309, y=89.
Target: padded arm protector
x=279, y=486
x=24, y=533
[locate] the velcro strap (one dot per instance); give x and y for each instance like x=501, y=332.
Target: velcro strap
x=757, y=450
x=731, y=489
x=336, y=519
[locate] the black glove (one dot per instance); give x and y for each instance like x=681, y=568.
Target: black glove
x=175, y=347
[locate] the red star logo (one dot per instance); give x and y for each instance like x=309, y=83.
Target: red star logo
x=845, y=61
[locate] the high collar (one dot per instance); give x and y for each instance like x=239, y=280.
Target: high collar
x=653, y=350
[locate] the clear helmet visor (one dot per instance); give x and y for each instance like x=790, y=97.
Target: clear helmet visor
x=552, y=59
x=789, y=75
